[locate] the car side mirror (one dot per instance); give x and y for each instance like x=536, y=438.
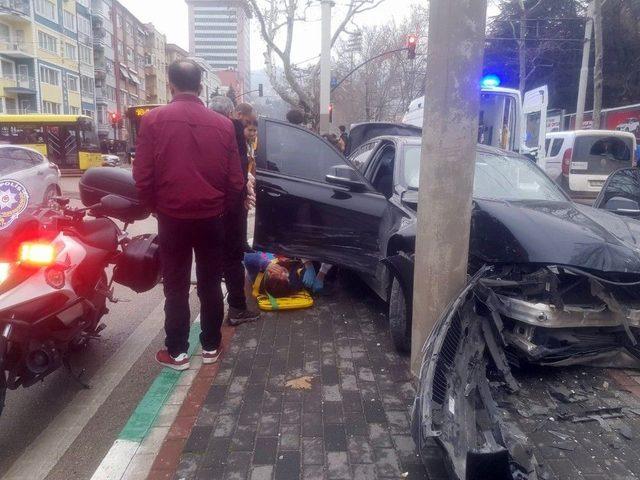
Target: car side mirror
x=622, y=206
x=353, y=185
x=115, y=203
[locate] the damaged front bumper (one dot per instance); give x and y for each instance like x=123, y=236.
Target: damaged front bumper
x=546, y=315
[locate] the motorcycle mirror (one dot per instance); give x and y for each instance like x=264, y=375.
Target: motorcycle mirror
x=115, y=203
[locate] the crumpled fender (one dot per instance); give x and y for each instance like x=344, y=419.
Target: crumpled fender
x=401, y=267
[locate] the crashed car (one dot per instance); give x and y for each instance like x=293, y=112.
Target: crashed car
x=360, y=213
x=551, y=282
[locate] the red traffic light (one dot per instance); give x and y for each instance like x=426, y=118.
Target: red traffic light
x=412, y=43
x=114, y=117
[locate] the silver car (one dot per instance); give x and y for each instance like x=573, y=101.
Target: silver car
x=32, y=169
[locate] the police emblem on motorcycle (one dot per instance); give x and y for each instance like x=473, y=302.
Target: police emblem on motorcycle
x=14, y=199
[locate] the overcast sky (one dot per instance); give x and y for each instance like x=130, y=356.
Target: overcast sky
x=170, y=17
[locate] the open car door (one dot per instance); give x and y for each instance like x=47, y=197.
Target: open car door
x=311, y=203
x=534, y=112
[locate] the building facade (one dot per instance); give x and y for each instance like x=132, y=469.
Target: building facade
x=46, y=57
x=210, y=81
x=155, y=66
x=104, y=60
x=130, y=39
x=219, y=32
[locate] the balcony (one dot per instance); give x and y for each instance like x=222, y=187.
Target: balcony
x=18, y=84
x=15, y=10
x=15, y=49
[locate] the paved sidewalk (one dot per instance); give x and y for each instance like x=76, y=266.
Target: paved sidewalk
x=352, y=422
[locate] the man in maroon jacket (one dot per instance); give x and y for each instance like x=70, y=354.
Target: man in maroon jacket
x=187, y=169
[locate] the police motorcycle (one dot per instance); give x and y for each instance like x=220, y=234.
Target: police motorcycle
x=58, y=265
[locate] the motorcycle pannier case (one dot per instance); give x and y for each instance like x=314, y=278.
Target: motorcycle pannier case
x=138, y=267
x=101, y=181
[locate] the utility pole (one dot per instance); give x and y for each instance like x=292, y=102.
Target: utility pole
x=454, y=58
x=598, y=79
x=584, y=71
x=522, y=48
x=325, y=66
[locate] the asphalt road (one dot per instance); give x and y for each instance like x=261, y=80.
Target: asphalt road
x=29, y=412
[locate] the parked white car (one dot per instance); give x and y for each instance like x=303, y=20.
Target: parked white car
x=31, y=169
x=580, y=161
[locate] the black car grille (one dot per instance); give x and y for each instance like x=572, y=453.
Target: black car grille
x=446, y=359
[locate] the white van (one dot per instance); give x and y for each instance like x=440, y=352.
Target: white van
x=580, y=161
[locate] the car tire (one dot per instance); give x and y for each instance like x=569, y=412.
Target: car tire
x=399, y=322
x=49, y=193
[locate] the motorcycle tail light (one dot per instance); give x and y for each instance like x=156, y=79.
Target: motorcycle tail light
x=37, y=254
x=54, y=277
x=5, y=271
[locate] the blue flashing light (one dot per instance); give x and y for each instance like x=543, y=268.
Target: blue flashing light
x=490, y=81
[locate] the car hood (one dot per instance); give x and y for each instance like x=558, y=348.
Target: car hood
x=554, y=233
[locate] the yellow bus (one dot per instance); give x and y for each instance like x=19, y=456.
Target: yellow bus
x=134, y=117
x=69, y=141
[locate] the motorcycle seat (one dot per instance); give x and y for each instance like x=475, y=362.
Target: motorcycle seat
x=100, y=233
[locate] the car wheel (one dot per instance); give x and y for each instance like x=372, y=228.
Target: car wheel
x=49, y=193
x=399, y=322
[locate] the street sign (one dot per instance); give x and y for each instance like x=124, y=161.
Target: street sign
x=334, y=82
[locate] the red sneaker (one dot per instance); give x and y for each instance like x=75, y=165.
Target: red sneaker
x=209, y=357
x=181, y=362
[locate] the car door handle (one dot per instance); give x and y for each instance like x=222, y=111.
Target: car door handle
x=273, y=193
x=272, y=190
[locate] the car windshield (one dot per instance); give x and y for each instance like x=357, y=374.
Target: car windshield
x=497, y=177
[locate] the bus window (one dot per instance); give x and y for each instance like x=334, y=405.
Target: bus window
x=87, y=138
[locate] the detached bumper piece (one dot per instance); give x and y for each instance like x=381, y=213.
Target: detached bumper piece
x=543, y=315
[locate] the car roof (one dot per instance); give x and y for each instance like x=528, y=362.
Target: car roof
x=584, y=133
x=417, y=141
x=21, y=147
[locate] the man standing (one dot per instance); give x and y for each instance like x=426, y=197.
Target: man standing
x=344, y=136
x=188, y=171
x=236, y=220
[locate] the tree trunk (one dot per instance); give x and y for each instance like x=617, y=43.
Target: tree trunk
x=597, y=68
x=522, y=48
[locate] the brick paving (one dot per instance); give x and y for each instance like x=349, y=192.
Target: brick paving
x=353, y=423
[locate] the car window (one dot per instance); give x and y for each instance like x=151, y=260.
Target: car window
x=556, y=147
x=547, y=142
x=382, y=179
x=362, y=156
x=299, y=153
x=600, y=155
x=13, y=160
x=498, y=177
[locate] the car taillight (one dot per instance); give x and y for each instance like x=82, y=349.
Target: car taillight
x=5, y=271
x=37, y=254
x=566, y=161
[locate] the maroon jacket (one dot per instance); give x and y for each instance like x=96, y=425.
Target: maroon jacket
x=187, y=163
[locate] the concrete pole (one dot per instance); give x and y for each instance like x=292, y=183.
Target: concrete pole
x=454, y=59
x=598, y=78
x=325, y=66
x=584, y=71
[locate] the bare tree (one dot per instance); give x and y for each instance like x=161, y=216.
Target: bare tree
x=598, y=78
x=277, y=20
x=381, y=90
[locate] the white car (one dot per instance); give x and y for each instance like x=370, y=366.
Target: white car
x=31, y=169
x=629, y=125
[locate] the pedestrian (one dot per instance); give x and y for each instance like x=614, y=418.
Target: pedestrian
x=295, y=116
x=251, y=137
x=344, y=136
x=235, y=243
x=188, y=171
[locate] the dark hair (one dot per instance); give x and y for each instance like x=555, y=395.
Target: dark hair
x=185, y=75
x=295, y=116
x=245, y=109
x=276, y=286
x=251, y=123
x=342, y=128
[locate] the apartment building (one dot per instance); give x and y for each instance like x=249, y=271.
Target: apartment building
x=104, y=60
x=156, y=66
x=130, y=38
x=210, y=81
x=219, y=32
x=46, y=57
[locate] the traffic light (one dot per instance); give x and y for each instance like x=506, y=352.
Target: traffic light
x=114, y=118
x=412, y=43
x=260, y=90
x=331, y=113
